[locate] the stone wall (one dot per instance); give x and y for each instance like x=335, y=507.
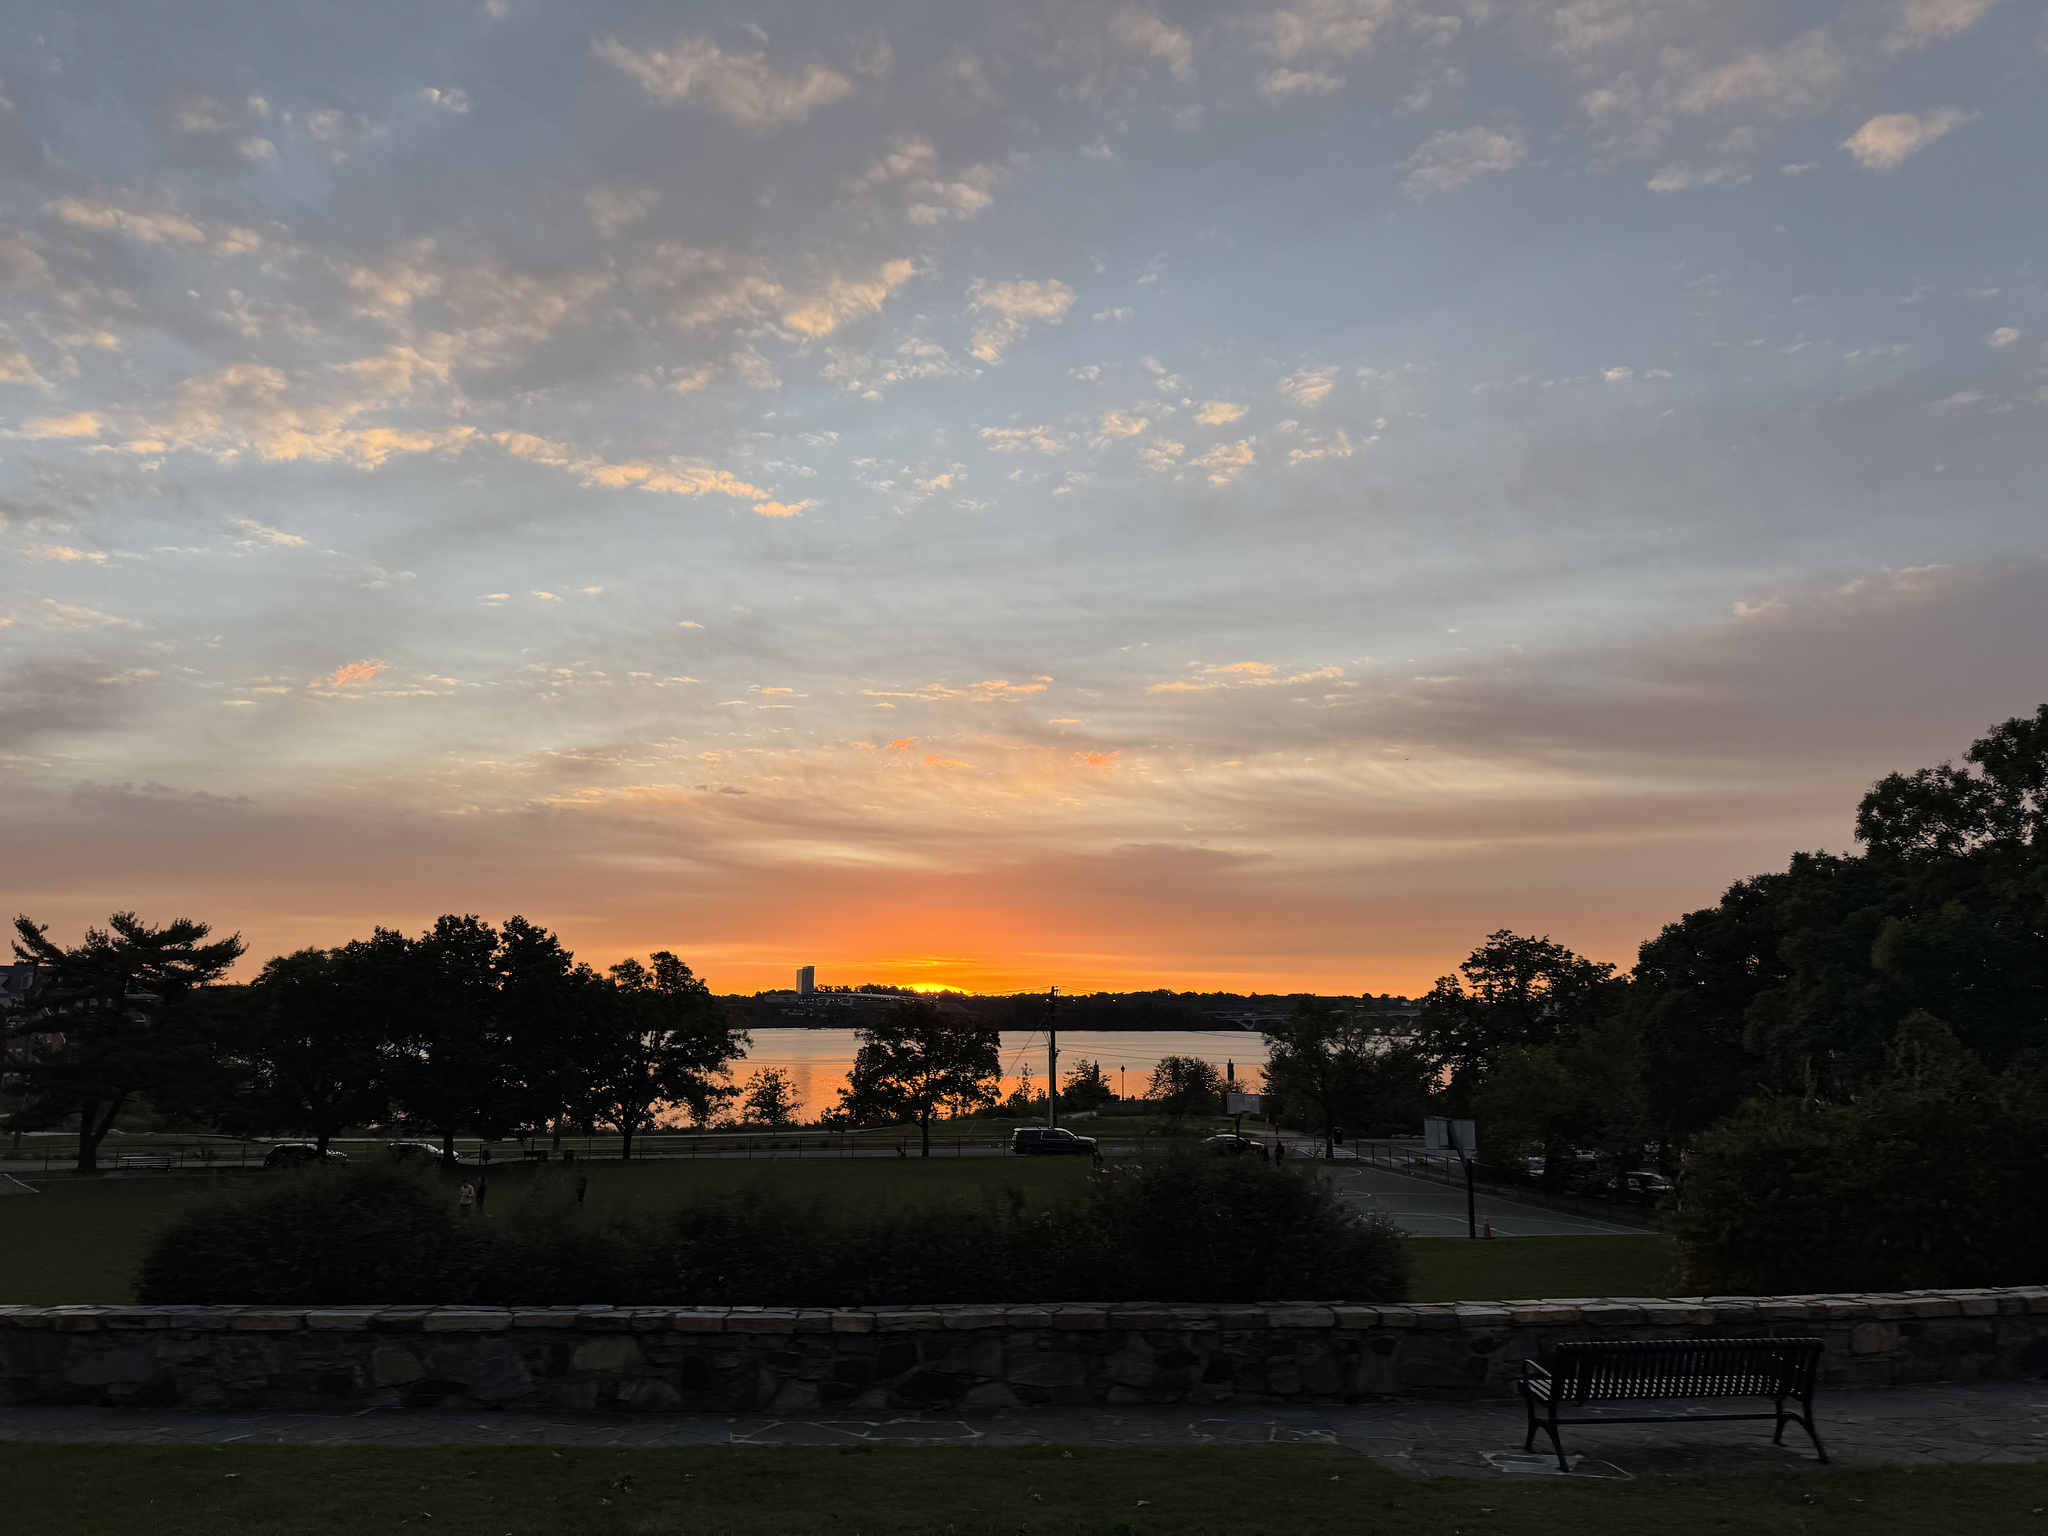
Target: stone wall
x=768, y=1360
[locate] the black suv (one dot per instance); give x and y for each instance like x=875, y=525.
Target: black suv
x=1050, y=1141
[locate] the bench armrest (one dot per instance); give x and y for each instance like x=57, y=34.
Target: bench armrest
x=1531, y=1371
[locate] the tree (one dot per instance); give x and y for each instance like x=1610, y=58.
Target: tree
x=1584, y=1091
x=917, y=1061
x=451, y=1058
x=1023, y=1099
x=1513, y=991
x=659, y=1039
x=1335, y=1063
x=303, y=1048
x=110, y=1018
x=771, y=1098
x=1929, y=1178
x=1183, y=1086
x=1086, y=1087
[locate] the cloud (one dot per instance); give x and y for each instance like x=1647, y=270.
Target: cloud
x=739, y=86
x=1225, y=462
x=613, y=209
x=992, y=691
x=1451, y=159
x=357, y=672
x=65, y=554
x=1921, y=22
x=447, y=100
x=1107, y=50
x=933, y=760
x=1120, y=424
x=1218, y=413
x=249, y=405
x=845, y=299
x=2004, y=336
x=783, y=508
x=910, y=171
x=1885, y=141
x=1023, y=439
x=1106, y=761
x=154, y=227
x=78, y=424
x=1011, y=309
x=260, y=533
x=1304, y=36
x=1308, y=387
x=676, y=476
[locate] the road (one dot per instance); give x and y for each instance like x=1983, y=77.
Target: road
x=1424, y=1209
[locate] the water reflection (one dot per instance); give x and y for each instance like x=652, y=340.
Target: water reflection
x=818, y=1060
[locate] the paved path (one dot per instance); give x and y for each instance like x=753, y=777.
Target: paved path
x=1906, y=1426
x=1423, y=1209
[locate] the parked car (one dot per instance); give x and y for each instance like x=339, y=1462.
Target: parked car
x=1050, y=1141
x=1230, y=1144
x=290, y=1154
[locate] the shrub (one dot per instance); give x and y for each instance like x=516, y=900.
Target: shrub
x=318, y=1238
x=1181, y=1228
x=1928, y=1178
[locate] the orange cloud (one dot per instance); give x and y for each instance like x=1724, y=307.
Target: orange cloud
x=936, y=761
x=901, y=743
x=1104, y=760
x=358, y=671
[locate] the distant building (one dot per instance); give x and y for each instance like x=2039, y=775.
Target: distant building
x=806, y=980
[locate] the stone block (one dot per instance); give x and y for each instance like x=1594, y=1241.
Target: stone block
x=1543, y=1314
x=1608, y=1314
x=989, y=1394
x=853, y=1322
x=489, y=1370
x=1194, y=1319
x=1300, y=1317
x=794, y=1397
x=602, y=1320
x=393, y=1365
x=104, y=1367
x=610, y=1354
x=975, y=1317
x=647, y=1393
x=765, y=1320
x=1132, y=1366
x=137, y=1317
x=1873, y=1338
x=1145, y=1319
x=341, y=1320
x=698, y=1320
x=267, y=1320
x=1028, y=1317
x=1047, y=1370
x=1080, y=1319
x=466, y=1320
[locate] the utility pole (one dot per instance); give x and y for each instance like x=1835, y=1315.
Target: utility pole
x=1052, y=1057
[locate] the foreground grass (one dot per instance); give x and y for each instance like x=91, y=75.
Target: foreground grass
x=1518, y=1268
x=1284, y=1491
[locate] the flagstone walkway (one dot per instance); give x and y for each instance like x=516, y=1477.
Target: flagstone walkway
x=1907, y=1426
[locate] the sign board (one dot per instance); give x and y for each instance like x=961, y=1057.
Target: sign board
x=1441, y=1135
x=1243, y=1104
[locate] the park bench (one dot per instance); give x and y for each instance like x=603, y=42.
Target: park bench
x=1663, y=1370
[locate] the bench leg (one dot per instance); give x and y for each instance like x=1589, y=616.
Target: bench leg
x=1804, y=1419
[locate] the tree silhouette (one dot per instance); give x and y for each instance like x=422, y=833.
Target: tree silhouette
x=917, y=1061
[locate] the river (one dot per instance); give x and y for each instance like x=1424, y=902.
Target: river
x=819, y=1059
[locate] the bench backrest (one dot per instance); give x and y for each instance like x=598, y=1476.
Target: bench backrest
x=1604, y=1372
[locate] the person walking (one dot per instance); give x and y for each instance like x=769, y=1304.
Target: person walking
x=468, y=1199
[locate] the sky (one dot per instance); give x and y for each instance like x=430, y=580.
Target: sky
x=1217, y=496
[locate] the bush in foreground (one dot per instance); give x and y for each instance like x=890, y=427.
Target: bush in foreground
x=1179, y=1229
x=1929, y=1177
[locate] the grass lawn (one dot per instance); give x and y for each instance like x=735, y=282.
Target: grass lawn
x=81, y=1240
x=1519, y=1268
x=1285, y=1491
